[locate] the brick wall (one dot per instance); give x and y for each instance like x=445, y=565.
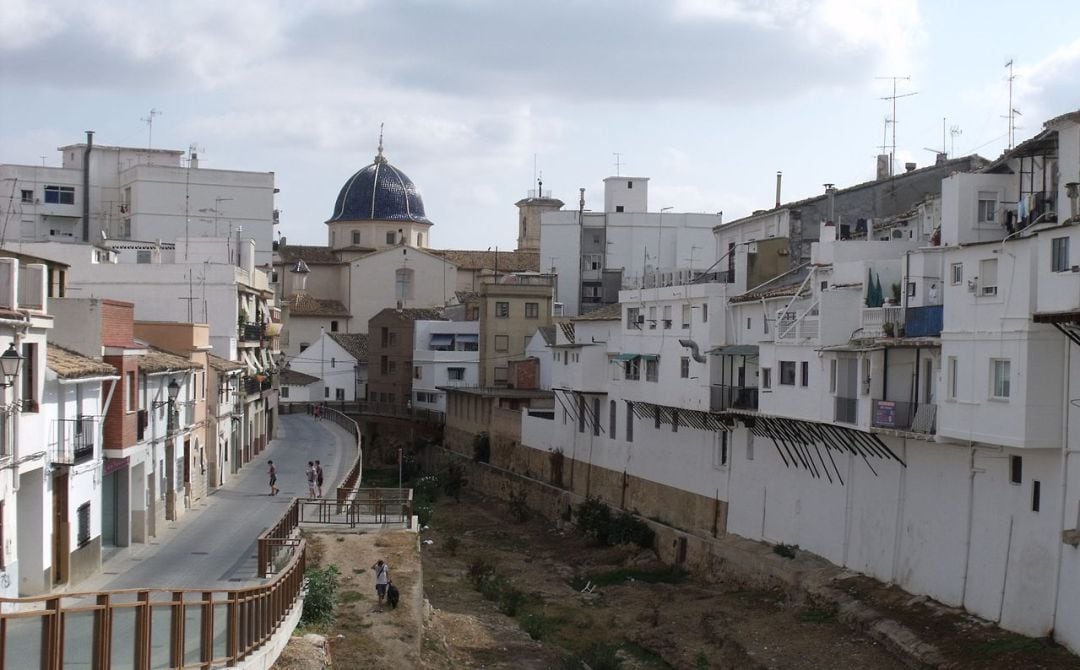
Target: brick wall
x=121, y=426
x=117, y=323
x=524, y=374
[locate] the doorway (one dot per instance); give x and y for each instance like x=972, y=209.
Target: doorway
x=61, y=529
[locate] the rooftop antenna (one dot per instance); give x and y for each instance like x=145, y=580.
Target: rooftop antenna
x=893, y=98
x=1013, y=113
x=953, y=133
x=618, y=162
x=540, y=185
x=379, y=158
x=944, y=150
x=149, y=121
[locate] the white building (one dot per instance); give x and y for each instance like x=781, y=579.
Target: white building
x=539, y=347
x=595, y=254
x=139, y=194
x=338, y=362
x=445, y=353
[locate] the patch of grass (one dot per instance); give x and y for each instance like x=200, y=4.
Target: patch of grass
x=666, y=575
x=1005, y=645
x=650, y=657
x=701, y=661
x=597, y=656
x=479, y=570
x=540, y=626
x=785, y=550
x=348, y=597
x=817, y=615
x=451, y=544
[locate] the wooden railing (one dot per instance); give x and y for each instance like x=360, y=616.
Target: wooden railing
x=281, y=536
x=148, y=628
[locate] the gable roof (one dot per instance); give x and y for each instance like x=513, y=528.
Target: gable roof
x=508, y=261
x=159, y=360
x=311, y=254
x=548, y=333
x=356, y=344
x=69, y=365
x=304, y=304
x=612, y=312
x=223, y=364
x=296, y=378
x=411, y=314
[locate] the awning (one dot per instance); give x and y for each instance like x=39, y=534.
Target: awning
x=626, y=357
x=735, y=350
x=442, y=340
x=468, y=338
x=650, y=357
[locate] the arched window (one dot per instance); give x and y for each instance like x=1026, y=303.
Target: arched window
x=403, y=283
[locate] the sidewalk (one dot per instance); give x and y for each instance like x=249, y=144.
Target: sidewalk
x=213, y=544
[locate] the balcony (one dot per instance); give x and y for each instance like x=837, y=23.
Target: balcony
x=723, y=398
x=924, y=321
x=807, y=328
x=847, y=410
x=882, y=321
x=252, y=386
x=250, y=332
x=74, y=441
x=906, y=416
x=142, y=422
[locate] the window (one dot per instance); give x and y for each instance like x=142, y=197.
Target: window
x=988, y=276
x=953, y=377
x=403, y=283
x=804, y=369
x=596, y=416
x=384, y=335
x=60, y=195
x=339, y=394
x=326, y=392
x=384, y=365
x=356, y=237
x=652, y=318
x=667, y=317
x=132, y=393
x=787, y=373
x=652, y=370
x=500, y=375
x=333, y=326
x=29, y=378
x=999, y=374
x=674, y=420
x=684, y=367
x=592, y=261
x=618, y=208
x=613, y=415
x=633, y=318
x=629, y=184
x=284, y=391
x=391, y=237
x=502, y=343
x=721, y=454
x=143, y=257
x=686, y=316
x=749, y=322
x=629, y=421
x=1036, y=490
x=420, y=243
x=705, y=312
x=82, y=515
x=1016, y=469
x=27, y=196
x=392, y=368
x=766, y=378
x=911, y=289
x=750, y=447
x=987, y=206
x=957, y=273
x=392, y=340
x=1059, y=254
x=455, y=374
x=417, y=372
x=333, y=362
x=502, y=310
x=532, y=310
x=632, y=369
x=832, y=376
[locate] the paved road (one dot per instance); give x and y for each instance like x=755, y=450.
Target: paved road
x=214, y=542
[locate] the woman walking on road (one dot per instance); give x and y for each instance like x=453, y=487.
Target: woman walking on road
x=273, y=479
x=318, y=478
x=310, y=472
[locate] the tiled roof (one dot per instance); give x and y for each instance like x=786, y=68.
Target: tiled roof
x=303, y=304
x=412, y=314
x=295, y=378
x=354, y=343
x=312, y=255
x=505, y=261
x=785, y=284
x=612, y=312
x=548, y=333
x=223, y=364
x=70, y=365
x=158, y=360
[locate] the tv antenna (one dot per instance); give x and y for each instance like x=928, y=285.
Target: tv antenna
x=892, y=120
x=954, y=132
x=618, y=163
x=149, y=121
x=944, y=150
x=1013, y=112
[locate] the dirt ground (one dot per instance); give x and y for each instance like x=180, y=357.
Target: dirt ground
x=446, y=622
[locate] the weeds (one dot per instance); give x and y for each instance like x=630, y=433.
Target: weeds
x=538, y=625
x=665, y=575
x=321, y=595
x=451, y=544
x=817, y=615
x=596, y=521
x=481, y=448
x=785, y=550
x=701, y=661
x=519, y=507
x=598, y=656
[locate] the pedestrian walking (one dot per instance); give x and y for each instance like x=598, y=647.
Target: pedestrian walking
x=273, y=479
x=382, y=578
x=310, y=473
x=318, y=478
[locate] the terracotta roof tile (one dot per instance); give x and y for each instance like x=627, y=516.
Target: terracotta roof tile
x=223, y=364
x=296, y=378
x=304, y=304
x=611, y=312
x=312, y=255
x=158, y=360
x=70, y=365
x=354, y=343
x=508, y=261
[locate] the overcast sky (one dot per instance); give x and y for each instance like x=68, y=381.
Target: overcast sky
x=708, y=98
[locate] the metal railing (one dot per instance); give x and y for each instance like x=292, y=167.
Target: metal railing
x=360, y=506
x=148, y=628
x=722, y=397
x=400, y=410
x=882, y=321
x=250, y=332
x=847, y=410
x=74, y=442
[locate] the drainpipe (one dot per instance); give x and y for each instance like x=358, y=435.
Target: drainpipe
x=86, y=186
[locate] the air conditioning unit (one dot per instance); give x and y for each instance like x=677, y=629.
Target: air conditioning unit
x=972, y=286
x=641, y=318
x=1075, y=268
x=667, y=323
x=751, y=248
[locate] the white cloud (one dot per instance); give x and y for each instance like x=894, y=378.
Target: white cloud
x=1051, y=86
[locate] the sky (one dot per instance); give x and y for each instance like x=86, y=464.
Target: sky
x=707, y=98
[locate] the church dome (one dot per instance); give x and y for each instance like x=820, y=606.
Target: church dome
x=379, y=192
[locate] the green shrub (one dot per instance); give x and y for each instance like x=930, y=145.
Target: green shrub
x=481, y=448
x=479, y=571
x=785, y=550
x=538, y=625
x=519, y=508
x=321, y=595
x=598, y=656
x=596, y=521
x=423, y=513
x=451, y=544
x=453, y=481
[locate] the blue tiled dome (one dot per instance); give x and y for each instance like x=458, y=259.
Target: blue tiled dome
x=379, y=192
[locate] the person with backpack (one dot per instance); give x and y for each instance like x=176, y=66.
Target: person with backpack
x=382, y=580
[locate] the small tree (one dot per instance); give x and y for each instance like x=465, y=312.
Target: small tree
x=482, y=448
x=321, y=595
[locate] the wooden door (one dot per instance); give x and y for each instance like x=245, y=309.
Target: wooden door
x=61, y=529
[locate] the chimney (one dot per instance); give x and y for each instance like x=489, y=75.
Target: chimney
x=830, y=190
x=581, y=200
x=941, y=158
x=86, y=186
x=909, y=167
x=883, y=164
x=193, y=162
x=779, y=176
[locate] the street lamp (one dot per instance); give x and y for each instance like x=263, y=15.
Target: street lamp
x=10, y=362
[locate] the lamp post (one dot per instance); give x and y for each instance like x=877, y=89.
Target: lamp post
x=10, y=362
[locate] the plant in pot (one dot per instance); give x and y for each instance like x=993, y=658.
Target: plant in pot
x=889, y=327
